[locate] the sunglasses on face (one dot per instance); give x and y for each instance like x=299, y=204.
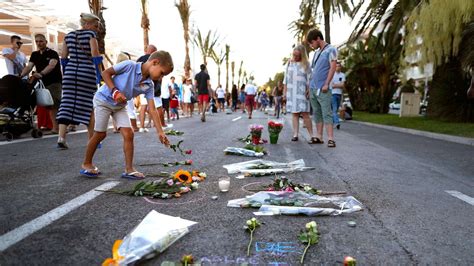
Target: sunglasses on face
x=19, y=43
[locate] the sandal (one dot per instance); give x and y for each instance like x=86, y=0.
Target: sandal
x=331, y=144
x=294, y=139
x=315, y=140
x=135, y=175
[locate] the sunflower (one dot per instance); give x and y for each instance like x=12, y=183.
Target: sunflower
x=183, y=176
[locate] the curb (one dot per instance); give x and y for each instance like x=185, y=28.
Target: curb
x=449, y=138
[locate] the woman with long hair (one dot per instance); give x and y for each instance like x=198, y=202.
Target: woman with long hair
x=296, y=90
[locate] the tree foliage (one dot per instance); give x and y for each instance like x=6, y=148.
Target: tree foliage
x=206, y=44
x=184, y=10
x=440, y=24
x=371, y=74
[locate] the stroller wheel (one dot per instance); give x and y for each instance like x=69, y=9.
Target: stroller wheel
x=8, y=136
x=35, y=133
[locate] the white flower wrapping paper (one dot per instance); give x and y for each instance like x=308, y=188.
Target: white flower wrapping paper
x=155, y=233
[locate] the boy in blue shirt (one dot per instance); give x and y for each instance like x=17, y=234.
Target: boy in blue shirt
x=124, y=81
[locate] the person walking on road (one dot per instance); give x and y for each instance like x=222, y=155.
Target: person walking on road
x=48, y=70
x=296, y=91
x=202, y=83
x=324, y=66
x=250, y=92
x=220, y=92
x=80, y=60
x=337, y=86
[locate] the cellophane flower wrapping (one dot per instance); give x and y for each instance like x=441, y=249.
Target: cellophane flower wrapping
x=155, y=233
x=274, y=127
x=292, y=203
x=263, y=167
x=256, y=130
x=242, y=152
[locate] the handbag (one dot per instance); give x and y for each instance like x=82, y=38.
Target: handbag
x=43, y=96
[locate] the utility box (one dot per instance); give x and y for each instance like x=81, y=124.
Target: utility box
x=410, y=104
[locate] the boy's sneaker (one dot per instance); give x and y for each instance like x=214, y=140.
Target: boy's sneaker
x=143, y=130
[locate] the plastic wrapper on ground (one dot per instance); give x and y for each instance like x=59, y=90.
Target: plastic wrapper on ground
x=153, y=235
x=295, y=203
x=242, y=152
x=263, y=167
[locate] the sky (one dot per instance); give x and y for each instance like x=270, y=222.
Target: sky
x=256, y=30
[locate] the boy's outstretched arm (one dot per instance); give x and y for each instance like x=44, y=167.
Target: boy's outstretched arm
x=157, y=121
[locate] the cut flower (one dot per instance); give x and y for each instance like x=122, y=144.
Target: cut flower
x=183, y=176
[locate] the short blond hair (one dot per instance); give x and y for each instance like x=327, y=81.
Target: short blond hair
x=165, y=58
x=87, y=18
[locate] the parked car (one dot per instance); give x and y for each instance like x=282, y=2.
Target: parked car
x=394, y=105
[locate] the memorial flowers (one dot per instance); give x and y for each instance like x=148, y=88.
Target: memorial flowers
x=173, y=186
x=256, y=132
x=274, y=129
x=309, y=236
x=250, y=226
x=177, y=147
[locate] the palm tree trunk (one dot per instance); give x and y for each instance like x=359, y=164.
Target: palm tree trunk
x=327, y=27
x=219, y=75
x=232, y=67
x=187, y=60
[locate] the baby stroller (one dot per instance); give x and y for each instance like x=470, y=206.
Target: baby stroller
x=17, y=103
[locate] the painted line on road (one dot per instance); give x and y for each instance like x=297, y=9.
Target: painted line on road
x=20, y=233
x=237, y=118
x=461, y=196
x=44, y=137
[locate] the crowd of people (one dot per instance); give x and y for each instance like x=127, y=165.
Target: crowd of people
x=83, y=94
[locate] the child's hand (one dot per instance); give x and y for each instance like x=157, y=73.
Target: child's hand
x=164, y=139
x=119, y=97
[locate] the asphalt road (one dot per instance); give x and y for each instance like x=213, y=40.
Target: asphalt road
x=408, y=217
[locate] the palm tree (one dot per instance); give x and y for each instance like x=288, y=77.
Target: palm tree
x=227, y=51
x=218, y=59
x=240, y=72
x=184, y=10
x=96, y=8
x=305, y=23
x=145, y=23
x=232, y=66
x=206, y=45
x=339, y=7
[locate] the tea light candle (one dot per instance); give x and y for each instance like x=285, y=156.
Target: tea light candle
x=224, y=185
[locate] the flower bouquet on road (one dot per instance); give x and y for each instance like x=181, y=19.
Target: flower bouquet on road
x=152, y=236
x=274, y=129
x=256, y=132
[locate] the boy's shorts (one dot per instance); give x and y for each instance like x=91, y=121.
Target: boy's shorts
x=102, y=112
x=131, y=109
x=143, y=100
x=158, y=102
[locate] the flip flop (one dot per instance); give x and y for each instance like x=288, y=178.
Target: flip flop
x=133, y=175
x=315, y=140
x=90, y=172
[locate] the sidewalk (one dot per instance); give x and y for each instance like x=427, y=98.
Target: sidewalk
x=455, y=139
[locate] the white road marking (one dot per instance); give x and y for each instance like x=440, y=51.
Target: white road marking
x=461, y=196
x=20, y=233
x=237, y=118
x=44, y=137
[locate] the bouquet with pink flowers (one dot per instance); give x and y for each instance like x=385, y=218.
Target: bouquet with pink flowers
x=256, y=132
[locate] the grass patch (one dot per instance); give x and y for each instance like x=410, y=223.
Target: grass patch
x=418, y=123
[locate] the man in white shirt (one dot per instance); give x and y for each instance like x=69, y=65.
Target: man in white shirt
x=16, y=60
x=250, y=91
x=220, y=97
x=337, y=86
